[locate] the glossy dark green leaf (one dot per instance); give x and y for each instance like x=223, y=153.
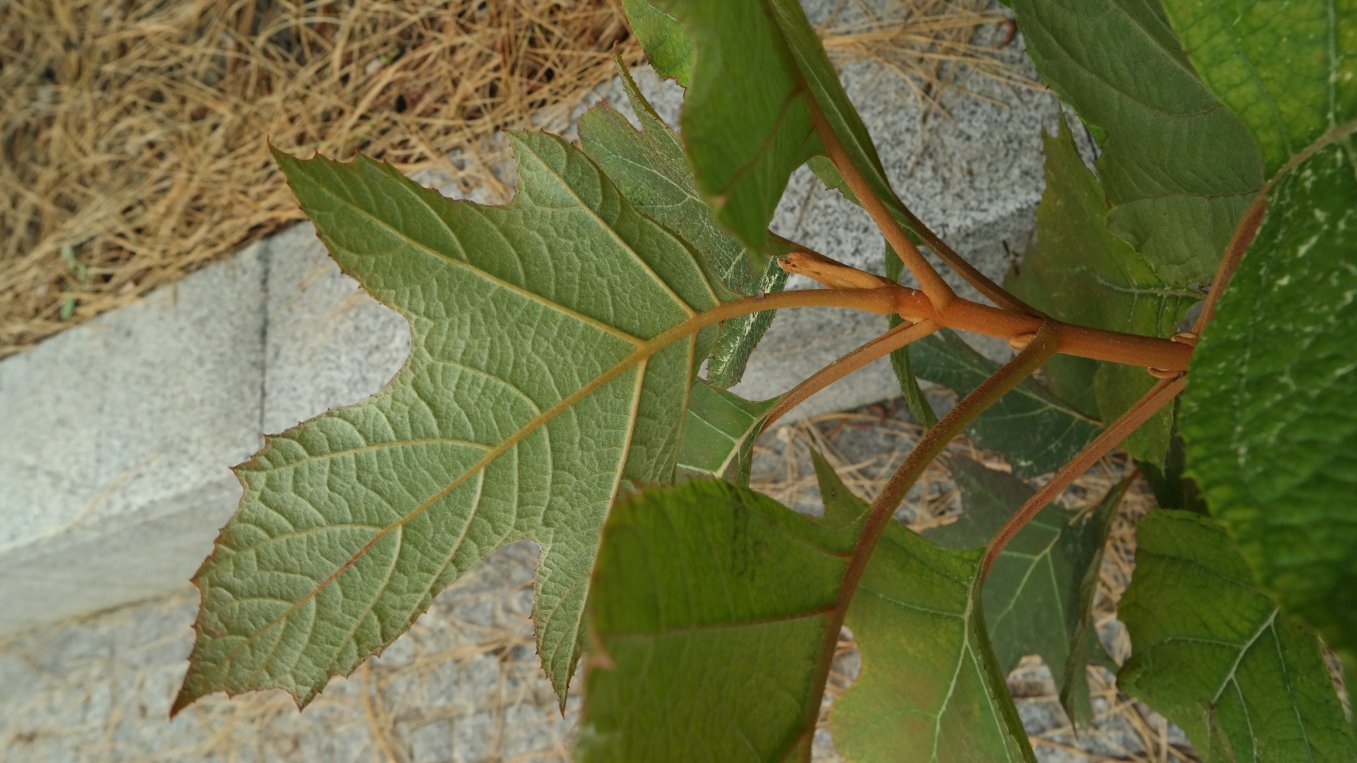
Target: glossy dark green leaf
x=1176, y=166
x=650, y=169
x=1081, y=272
x=1039, y=596
x=1033, y=428
x=1268, y=415
x=1218, y=658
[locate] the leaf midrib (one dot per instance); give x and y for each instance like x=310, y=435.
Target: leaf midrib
x=468, y=266
x=642, y=353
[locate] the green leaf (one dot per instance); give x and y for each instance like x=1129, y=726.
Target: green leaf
x=1173, y=489
x=1177, y=168
x=709, y=613
x=649, y=167
x=931, y=688
x=746, y=134
x=1286, y=69
x=666, y=44
x=915, y=402
x=739, y=336
x=1220, y=659
x=1084, y=273
x=1035, y=430
x=718, y=436
x=530, y=400
x=1268, y=415
x=1039, y=597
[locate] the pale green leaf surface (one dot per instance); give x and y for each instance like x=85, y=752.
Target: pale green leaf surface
x=710, y=607
x=1177, y=167
x=1083, y=273
x=1268, y=417
x=1039, y=596
x=930, y=688
x=1036, y=431
x=1218, y=658
x=1287, y=69
x=718, y=436
x=528, y=402
x=745, y=135
x=650, y=169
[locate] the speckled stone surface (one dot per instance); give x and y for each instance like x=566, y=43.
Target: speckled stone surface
x=116, y=440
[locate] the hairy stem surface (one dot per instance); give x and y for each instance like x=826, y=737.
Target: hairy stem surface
x=1159, y=395
x=855, y=359
x=1043, y=345
x=1113, y=346
x=939, y=293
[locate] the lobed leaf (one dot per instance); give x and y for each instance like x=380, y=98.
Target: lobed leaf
x=539, y=387
x=667, y=46
x=930, y=688
x=1177, y=167
x=1083, y=273
x=1039, y=596
x=1218, y=658
x=649, y=168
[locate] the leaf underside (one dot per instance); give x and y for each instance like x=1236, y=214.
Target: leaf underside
x=930, y=689
x=1218, y=658
x=534, y=394
x=710, y=614
x=710, y=608
x=1039, y=596
x=746, y=134
x=649, y=168
x=1036, y=431
x=718, y=437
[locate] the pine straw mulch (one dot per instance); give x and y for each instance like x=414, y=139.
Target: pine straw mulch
x=133, y=132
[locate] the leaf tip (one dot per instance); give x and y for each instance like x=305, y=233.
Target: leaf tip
x=182, y=700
